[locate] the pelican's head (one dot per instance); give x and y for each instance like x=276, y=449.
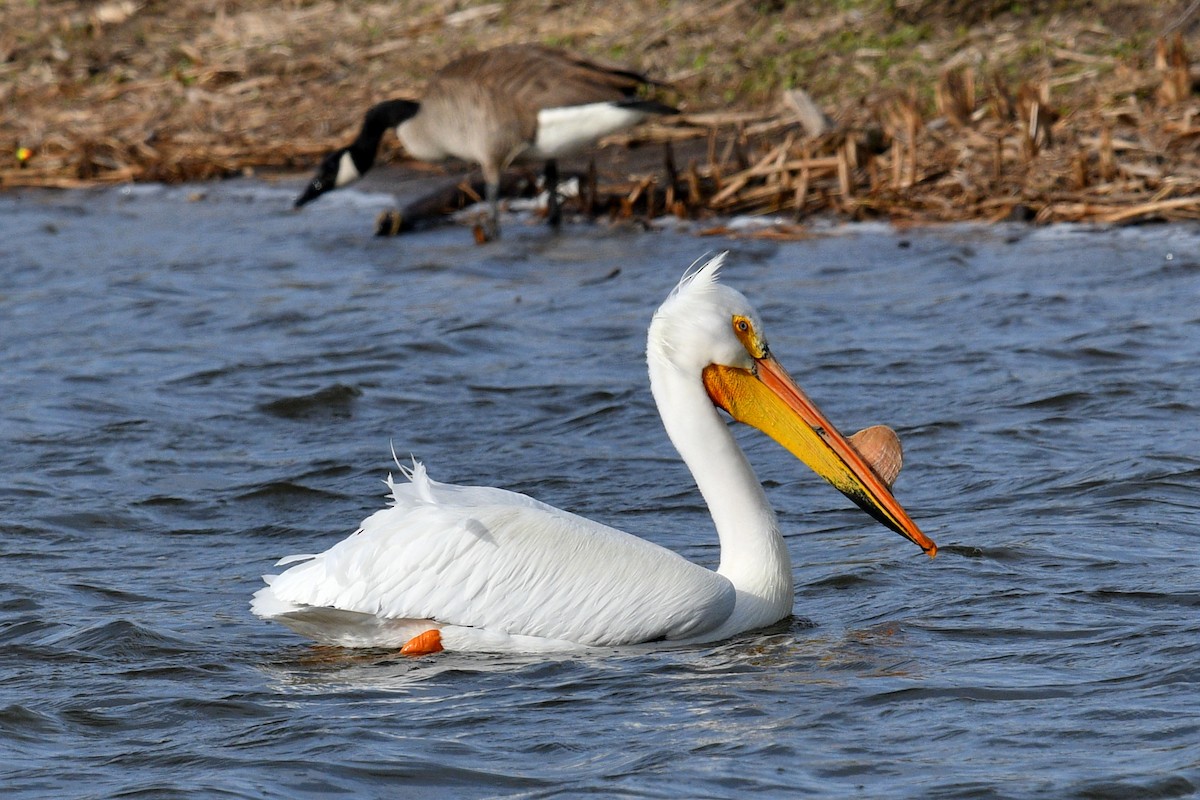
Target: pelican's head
x=708, y=329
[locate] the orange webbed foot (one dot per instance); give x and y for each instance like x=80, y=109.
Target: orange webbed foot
x=423, y=644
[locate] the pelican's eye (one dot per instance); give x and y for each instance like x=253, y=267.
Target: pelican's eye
x=743, y=329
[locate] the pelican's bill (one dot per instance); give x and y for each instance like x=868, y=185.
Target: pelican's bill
x=767, y=398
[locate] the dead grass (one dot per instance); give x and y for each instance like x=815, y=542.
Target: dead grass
x=941, y=110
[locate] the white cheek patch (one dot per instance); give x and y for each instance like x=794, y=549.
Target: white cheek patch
x=562, y=131
x=347, y=172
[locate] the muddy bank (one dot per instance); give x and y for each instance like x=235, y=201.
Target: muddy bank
x=937, y=109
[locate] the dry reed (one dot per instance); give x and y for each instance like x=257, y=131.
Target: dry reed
x=124, y=91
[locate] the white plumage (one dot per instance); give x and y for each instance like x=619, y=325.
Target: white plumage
x=565, y=131
x=490, y=569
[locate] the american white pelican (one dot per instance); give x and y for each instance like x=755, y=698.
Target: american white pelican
x=517, y=102
x=477, y=568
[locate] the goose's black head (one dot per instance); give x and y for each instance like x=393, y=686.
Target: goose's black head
x=345, y=166
x=337, y=169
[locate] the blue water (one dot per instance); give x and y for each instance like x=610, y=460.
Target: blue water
x=197, y=381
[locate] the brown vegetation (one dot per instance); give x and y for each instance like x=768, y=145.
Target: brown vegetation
x=921, y=110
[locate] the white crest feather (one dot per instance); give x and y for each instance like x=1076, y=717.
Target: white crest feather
x=700, y=276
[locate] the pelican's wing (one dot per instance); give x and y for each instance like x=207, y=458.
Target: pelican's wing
x=499, y=561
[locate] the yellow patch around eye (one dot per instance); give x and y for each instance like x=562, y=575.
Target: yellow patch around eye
x=743, y=329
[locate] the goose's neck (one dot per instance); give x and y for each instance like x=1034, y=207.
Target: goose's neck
x=379, y=118
x=754, y=555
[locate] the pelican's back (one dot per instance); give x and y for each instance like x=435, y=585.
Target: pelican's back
x=477, y=559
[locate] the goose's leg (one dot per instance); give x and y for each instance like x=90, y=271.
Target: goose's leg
x=554, y=210
x=493, y=199
x=491, y=226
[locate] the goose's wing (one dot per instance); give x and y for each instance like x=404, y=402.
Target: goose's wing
x=499, y=561
x=541, y=77
x=495, y=100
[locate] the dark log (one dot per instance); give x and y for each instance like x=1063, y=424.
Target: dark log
x=445, y=201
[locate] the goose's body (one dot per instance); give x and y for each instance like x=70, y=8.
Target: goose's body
x=520, y=102
x=477, y=568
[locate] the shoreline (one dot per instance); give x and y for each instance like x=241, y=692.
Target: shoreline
x=935, y=114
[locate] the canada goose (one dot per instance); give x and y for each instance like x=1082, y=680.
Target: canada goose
x=494, y=107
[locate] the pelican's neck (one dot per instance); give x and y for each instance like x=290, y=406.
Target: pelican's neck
x=754, y=555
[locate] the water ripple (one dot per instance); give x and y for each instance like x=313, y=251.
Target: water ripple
x=180, y=413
